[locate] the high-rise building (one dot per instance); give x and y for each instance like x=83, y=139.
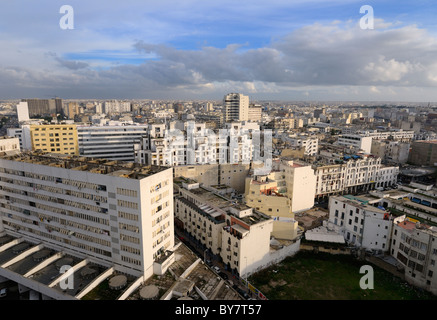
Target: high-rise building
x=72, y=109
x=42, y=107
x=236, y=107
x=116, y=214
x=23, y=111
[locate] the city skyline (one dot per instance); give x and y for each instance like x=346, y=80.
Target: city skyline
x=303, y=51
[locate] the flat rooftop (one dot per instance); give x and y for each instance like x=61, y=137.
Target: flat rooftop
x=100, y=166
x=92, y=281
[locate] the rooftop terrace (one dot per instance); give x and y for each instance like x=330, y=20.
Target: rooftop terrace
x=100, y=166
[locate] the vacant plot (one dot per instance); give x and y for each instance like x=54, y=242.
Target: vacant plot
x=309, y=276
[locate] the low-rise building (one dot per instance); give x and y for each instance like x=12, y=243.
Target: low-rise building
x=361, y=223
x=239, y=235
x=415, y=249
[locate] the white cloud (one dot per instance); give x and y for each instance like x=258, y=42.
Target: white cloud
x=333, y=59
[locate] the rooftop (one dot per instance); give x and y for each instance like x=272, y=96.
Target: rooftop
x=100, y=166
x=21, y=259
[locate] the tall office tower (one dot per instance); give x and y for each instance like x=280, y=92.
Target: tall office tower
x=41, y=106
x=114, y=142
x=236, y=107
x=23, y=111
x=115, y=214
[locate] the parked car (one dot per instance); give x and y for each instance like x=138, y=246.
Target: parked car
x=223, y=275
x=3, y=292
x=216, y=269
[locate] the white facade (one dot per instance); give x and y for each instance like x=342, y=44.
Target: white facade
x=357, y=141
x=415, y=250
x=9, y=144
x=192, y=143
x=115, y=106
x=239, y=234
x=23, y=135
x=310, y=144
x=300, y=182
x=115, y=142
x=387, y=176
x=400, y=135
x=118, y=215
x=350, y=176
x=23, y=111
x=361, y=224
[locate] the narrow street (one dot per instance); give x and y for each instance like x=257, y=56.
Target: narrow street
x=212, y=261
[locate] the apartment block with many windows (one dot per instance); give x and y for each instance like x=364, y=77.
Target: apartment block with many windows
x=414, y=246
x=236, y=233
x=118, y=214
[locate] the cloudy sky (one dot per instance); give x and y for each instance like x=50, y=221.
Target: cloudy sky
x=203, y=49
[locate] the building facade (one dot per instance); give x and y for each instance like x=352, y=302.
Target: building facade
x=414, y=247
x=236, y=107
x=115, y=142
x=117, y=215
x=57, y=138
x=239, y=235
x=362, y=224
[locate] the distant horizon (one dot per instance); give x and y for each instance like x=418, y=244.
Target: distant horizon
x=299, y=50
x=219, y=100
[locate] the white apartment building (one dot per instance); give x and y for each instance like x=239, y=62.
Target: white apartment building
x=357, y=141
x=115, y=214
x=362, y=224
x=23, y=135
x=237, y=233
x=236, y=107
x=415, y=249
x=398, y=135
x=387, y=176
x=310, y=144
x=354, y=174
x=114, y=142
x=192, y=143
x=8, y=144
x=23, y=111
x=115, y=106
x=300, y=182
